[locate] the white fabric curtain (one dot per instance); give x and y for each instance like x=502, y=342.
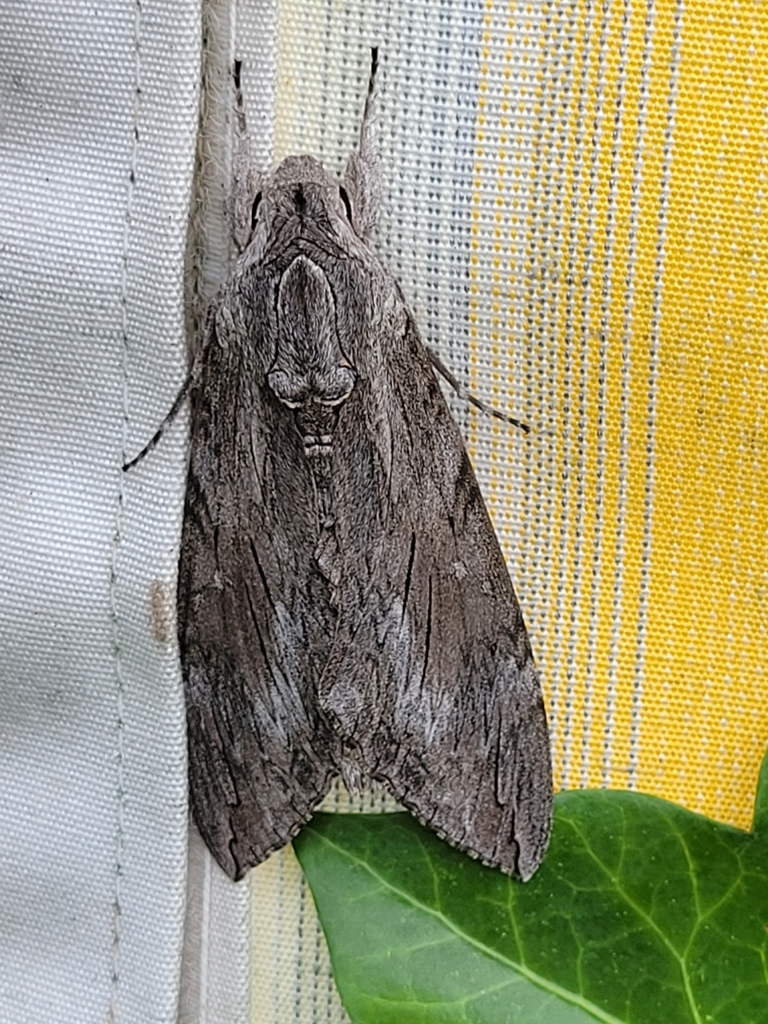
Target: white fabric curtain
x=98, y=121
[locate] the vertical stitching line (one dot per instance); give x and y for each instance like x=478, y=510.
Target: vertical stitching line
x=205, y=955
x=299, y=965
x=317, y=967
x=631, y=281
x=277, y=941
x=606, y=304
x=549, y=249
x=113, y=1011
x=579, y=309
x=661, y=239
x=534, y=467
x=571, y=527
x=595, y=583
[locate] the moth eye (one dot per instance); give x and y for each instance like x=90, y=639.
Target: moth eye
x=345, y=200
x=255, y=209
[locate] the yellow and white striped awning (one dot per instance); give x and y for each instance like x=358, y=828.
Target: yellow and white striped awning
x=576, y=209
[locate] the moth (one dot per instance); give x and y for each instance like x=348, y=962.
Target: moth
x=343, y=603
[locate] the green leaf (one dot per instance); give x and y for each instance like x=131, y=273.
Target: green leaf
x=642, y=912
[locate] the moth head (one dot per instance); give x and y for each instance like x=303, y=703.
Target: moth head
x=300, y=199
x=300, y=186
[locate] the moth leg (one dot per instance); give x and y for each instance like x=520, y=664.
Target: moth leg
x=172, y=414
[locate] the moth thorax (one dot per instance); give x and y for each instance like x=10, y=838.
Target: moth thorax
x=309, y=366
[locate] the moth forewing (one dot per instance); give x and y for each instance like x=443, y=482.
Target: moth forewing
x=343, y=604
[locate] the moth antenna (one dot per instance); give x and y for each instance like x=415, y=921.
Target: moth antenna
x=467, y=396
x=362, y=175
x=172, y=414
x=245, y=175
x=239, y=104
x=366, y=125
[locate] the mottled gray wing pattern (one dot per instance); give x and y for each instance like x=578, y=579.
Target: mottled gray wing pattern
x=255, y=623
x=431, y=676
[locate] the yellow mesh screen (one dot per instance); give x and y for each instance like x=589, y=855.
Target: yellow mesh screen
x=612, y=292
x=617, y=300
x=705, y=714
x=646, y=310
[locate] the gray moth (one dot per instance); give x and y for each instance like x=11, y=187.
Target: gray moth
x=343, y=603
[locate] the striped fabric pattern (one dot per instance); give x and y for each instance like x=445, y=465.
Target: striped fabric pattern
x=575, y=208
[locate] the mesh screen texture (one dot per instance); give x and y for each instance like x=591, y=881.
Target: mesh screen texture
x=574, y=206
